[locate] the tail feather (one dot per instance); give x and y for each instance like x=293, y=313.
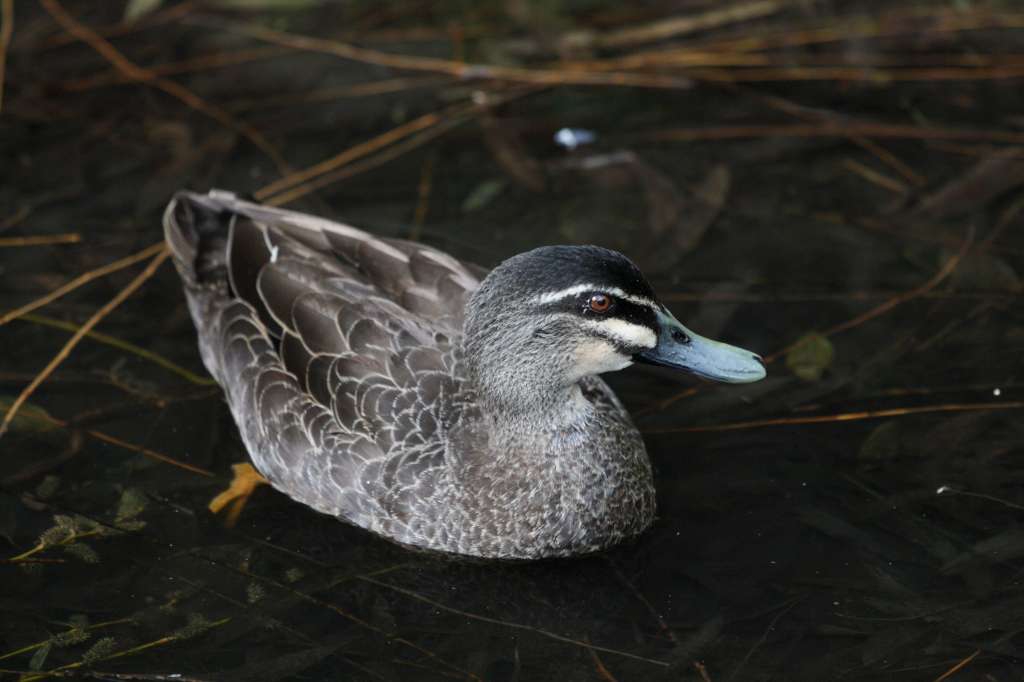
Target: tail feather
x=196, y=229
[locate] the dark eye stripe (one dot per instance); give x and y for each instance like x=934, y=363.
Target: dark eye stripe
x=635, y=313
x=622, y=309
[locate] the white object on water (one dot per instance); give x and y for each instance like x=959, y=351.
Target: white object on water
x=570, y=138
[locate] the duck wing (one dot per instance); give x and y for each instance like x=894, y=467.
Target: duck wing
x=336, y=350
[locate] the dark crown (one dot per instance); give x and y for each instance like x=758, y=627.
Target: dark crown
x=554, y=268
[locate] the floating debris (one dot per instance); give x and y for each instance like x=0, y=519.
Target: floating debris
x=571, y=138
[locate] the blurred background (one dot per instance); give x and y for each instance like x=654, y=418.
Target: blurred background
x=837, y=185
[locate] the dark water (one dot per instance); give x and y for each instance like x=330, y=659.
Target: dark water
x=874, y=214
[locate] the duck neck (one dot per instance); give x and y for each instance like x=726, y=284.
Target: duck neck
x=552, y=412
x=527, y=399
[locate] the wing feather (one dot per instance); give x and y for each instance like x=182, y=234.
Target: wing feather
x=249, y=249
x=333, y=345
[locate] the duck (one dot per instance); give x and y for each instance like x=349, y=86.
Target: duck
x=431, y=402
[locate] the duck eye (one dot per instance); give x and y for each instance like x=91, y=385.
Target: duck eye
x=600, y=303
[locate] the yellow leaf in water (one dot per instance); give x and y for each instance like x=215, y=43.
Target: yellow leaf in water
x=810, y=357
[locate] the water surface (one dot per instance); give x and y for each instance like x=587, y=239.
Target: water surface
x=870, y=220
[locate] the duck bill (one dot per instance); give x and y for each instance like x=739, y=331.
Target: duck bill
x=680, y=348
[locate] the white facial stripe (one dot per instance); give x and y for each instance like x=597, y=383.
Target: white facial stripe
x=597, y=356
x=626, y=333
x=552, y=296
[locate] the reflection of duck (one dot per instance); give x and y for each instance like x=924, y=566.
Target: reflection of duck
x=381, y=381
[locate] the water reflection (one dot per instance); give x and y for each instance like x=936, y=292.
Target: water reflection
x=799, y=536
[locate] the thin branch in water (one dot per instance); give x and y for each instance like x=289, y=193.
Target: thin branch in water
x=458, y=115
x=947, y=490
x=204, y=62
x=834, y=129
x=146, y=452
x=958, y=667
x=123, y=28
x=42, y=240
x=599, y=667
x=891, y=160
x=845, y=417
x=703, y=57
x=71, y=538
x=1006, y=218
x=168, y=639
x=358, y=151
x=107, y=676
x=23, y=212
x=423, y=196
x=408, y=664
x=953, y=325
x=354, y=618
x=33, y=647
x=816, y=115
x=381, y=87
x=132, y=286
x=666, y=630
x=6, y=32
x=569, y=74
x=874, y=177
x=40, y=467
x=945, y=271
x=760, y=642
x=388, y=154
x=136, y=73
x=82, y=279
x=149, y=355
x=517, y=626
x=885, y=25
x=688, y=24
x=856, y=74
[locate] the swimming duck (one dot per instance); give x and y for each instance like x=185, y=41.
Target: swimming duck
x=390, y=385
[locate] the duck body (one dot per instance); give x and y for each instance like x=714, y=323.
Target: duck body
x=386, y=383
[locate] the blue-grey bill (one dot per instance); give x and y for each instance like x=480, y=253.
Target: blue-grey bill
x=680, y=348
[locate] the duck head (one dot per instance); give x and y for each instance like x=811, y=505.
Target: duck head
x=544, y=319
